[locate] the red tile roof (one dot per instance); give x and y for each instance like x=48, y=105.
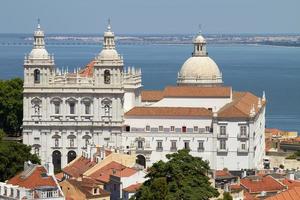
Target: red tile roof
x=240, y=106
x=59, y=176
x=257, y=184
x=36, y=178
x=223, y=173
x=78, y=167
x=133, y=188
x=169, y=111
x=290, y=194
x=291, y=183
x=113, y=168
x=186, y=91
x=88, y=70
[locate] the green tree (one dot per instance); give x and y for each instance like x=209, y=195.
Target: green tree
x=2, y=134
x=227, y=196
x=11, y=106
x=182, y=177
x=12, y=158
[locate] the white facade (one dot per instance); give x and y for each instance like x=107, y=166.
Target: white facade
x=63, y=112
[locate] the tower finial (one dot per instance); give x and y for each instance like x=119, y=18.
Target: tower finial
x=108, y=25
x=39, y=23
x=200, y=29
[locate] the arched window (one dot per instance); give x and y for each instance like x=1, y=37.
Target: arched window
x=71, y=156
x=106, y=77
x=56, y=160
x=37, y=76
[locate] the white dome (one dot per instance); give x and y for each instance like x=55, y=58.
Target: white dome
x=202, y=67
x=108, y=54
x=199, y=39
x=39, y=54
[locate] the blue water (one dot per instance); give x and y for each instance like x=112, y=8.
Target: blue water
x=245, y=67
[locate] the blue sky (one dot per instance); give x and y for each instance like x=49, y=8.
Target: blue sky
x=151, y=16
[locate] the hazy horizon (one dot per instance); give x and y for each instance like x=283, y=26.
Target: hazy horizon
x=151, y=17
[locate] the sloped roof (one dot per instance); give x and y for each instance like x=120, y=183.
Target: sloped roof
x=37, y=177
x=79, y=166
x=133, y=188
x=169, y=111
x=187, y=91
x=240, y=106
x=88, y=70
x=113, y=168
x=257, y=184
x=290, y=194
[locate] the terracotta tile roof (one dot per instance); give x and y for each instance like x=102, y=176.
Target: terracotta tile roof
x=169, y=111
x=152, y=95
x=248, y=196
x=240, y=106
x=113, y=168
x=133, y=188
x=257, y=184
x=86, y=186
x=59, y=176
x=290, y=194
x=291, y=183
x=78, y=167
x=186, y=91
x=88, y=70
x=36, y=178
x=223, y=173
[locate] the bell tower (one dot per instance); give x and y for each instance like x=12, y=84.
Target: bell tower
x=39, y=65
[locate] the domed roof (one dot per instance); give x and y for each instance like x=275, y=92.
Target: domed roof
x=39, y=54
x=108, y=54
x=199, y=39
x=200, y=67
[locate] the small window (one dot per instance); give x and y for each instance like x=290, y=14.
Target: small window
x=37, y=76
x=148, y=128
x=210, y=109
x=243, y=146
x=87, y=108
x=72, y=107
x=184, y=129
x=159, y=145
x=127, y=128
x=196, y=129
x=200, y=145
x=72, y=142
x=56, y=107
x=172, y=128
x=106, y=77
x=173, y=145
x=56, y=142
x=187, y=145
x=107, y=110
x=223, y=144
x=243, y=130
x=160, y=128
x=140, y=145
x=222, y=130
x=207, y=128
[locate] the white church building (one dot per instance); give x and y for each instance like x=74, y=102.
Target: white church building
x=105, y=105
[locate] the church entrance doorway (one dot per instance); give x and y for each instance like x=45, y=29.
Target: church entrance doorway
x=56, y=160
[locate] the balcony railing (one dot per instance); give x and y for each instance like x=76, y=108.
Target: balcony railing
x=222, y=136
x=159, y=149
x=240, y=150
x=222, y=150
x=243, y=136
x=173, y=149
x=200, y=149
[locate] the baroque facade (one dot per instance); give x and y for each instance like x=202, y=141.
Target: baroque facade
x=105, y=105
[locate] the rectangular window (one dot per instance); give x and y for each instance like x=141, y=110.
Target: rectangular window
x=223, y=144
x=222, y=130
x=87, y=108
x=127, y=128
x=71, y=142
x=187, y=145
x=159, y=145
x=140, y=145
x=57, y=108
x=172, y=128
x=196, y=129
x=207, y=128
x=160, y=128
x=243, y=130
x=56, y=142
x=200, y=145
x=148, y=128
x=183, y=129
x=173, y=145
x=72, y=108
x=243, y=146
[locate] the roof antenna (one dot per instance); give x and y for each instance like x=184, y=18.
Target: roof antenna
x=39, y=22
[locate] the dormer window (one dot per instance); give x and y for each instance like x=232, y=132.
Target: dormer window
x=106, y=77
x=37, y=76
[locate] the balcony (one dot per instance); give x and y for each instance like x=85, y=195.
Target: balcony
x=219, y=150
x=222, y=136
x=243, y=136
x=240, y=150
x=159, y=149
x=173, y=149
x=200, y=149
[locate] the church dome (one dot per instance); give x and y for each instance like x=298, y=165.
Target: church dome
x=200, y=67
x=39, y=54
x=108, y=54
